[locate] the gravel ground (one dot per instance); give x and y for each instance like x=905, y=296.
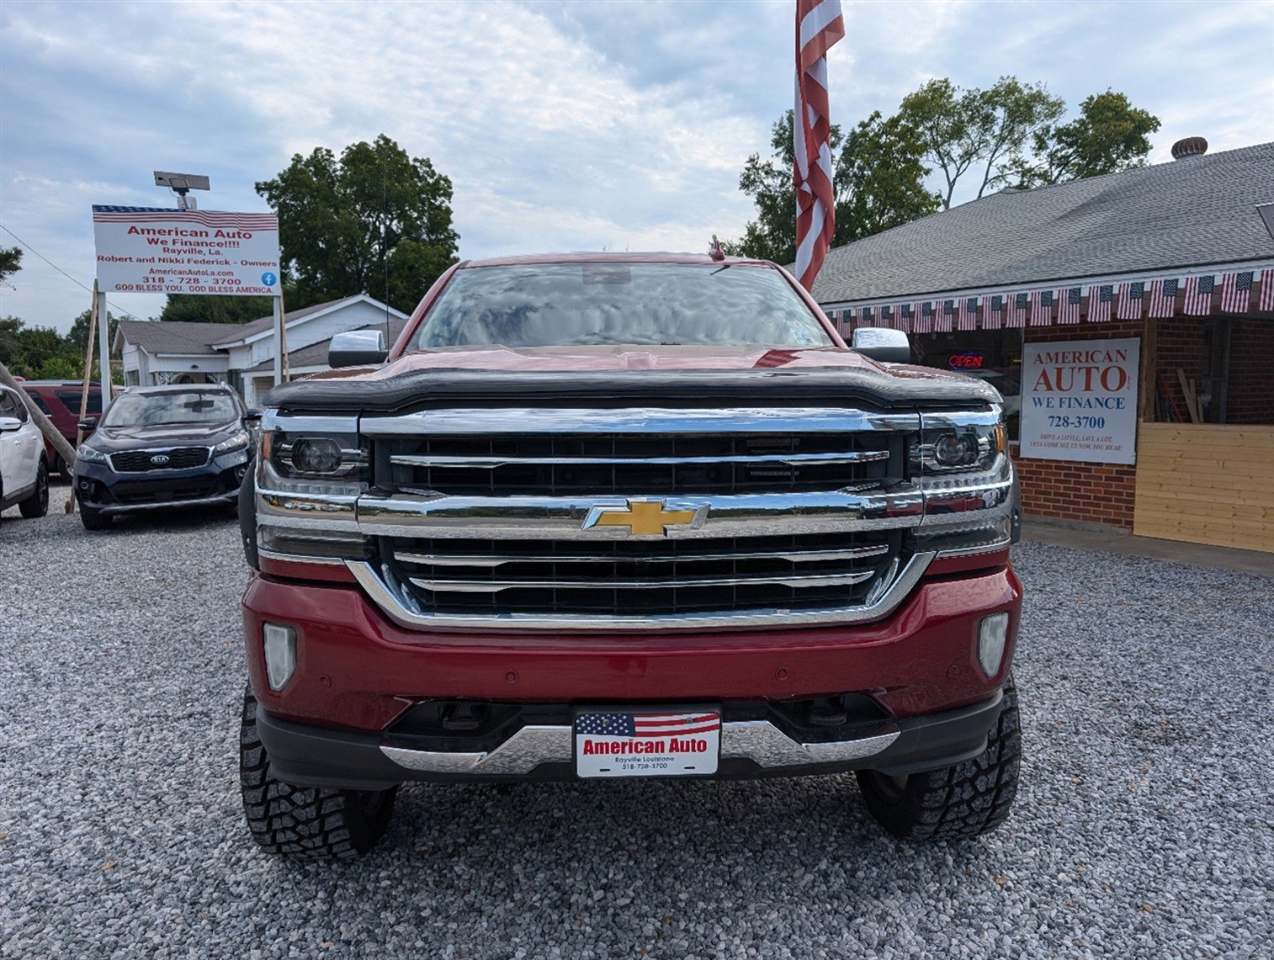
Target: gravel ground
x=1144, y=827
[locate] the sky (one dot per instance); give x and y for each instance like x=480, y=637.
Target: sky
x=563, y=126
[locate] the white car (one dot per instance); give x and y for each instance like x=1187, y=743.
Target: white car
x=24, y=469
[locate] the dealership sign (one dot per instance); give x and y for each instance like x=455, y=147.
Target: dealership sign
x=153, y=250
x=1079, y=400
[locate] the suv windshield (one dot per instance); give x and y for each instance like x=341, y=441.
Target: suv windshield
x=538, y=305
x=153, y=409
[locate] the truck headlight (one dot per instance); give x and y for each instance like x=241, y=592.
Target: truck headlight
x=305, y=455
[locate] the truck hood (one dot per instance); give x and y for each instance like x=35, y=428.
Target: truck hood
x=624, y=375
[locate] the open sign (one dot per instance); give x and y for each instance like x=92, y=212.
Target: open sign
x=969, y=360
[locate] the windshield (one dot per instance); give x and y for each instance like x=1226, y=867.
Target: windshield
x=155, y=409
x=538, y=305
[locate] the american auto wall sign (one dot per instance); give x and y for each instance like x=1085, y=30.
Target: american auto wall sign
x=1079, y=400
x=152, y=250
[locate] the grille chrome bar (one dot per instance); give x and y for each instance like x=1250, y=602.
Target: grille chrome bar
x=492, y=463
x=497, y=586
x=793, y=556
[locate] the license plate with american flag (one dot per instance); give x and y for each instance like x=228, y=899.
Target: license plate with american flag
x=611, y=743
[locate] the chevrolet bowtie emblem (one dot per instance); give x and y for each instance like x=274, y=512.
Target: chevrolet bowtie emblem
x=644, y=518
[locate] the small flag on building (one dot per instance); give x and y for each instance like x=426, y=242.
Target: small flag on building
x=1042, y=307
x=887, y=316
x=993, y=314
x=867, y=318
x=1163, y=298
x=967, y=318
x=1131, y=297
x=1198, y=299
x=818, y=27
x=1100, y=300
x=1236, y=292
x=1267, y=290
x=945, y=318
x=1016, y=315
x=1068, y=305
x=924, y=318
x=907, y=317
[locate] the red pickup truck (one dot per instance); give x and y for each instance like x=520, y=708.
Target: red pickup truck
x=606, y=516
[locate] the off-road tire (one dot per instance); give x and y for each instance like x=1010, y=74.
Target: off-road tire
x=93, y=519
x=37, y=505
x=958, y=802
x=305, y=823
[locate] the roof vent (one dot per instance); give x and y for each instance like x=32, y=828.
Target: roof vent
x=1189, y=147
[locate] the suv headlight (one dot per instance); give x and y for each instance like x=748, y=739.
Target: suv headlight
x=238, y=442
x=90, y=455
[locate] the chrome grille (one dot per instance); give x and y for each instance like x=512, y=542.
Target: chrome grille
x=459, y=577
x=650, y=464
x=143, y=461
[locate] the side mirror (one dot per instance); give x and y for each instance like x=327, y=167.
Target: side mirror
x=9, y=423
x=253, y=414
x=87, y=424
x=357, y=348
x=879, y=343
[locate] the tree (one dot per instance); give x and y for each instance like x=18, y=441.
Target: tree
x=1109, y=135
x=194, y=308
x=77, y=336
x=10, y=263
x=35, y=352
x=348, y=226
x=878, y=181
x=962, y=130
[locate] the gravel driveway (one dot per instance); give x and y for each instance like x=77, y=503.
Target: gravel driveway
x=1144, y=828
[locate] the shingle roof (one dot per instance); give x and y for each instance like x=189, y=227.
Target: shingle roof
x=1177, y=215
x=315, y=355
x=253, y=327
x=155, y=337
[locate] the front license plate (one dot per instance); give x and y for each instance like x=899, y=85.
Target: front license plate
x=610, y=743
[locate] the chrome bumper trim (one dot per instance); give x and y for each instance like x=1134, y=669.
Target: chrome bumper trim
x=117, y=508
x=392, y=602
x=756, y=740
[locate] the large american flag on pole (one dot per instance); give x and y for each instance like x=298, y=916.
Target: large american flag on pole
x=818, y=27
x=1267, y=290
x=1236, y=292
x=1131, y=297
x=1198, y=298
x=1163, y=298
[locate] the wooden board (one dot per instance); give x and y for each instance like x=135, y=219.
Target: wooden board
x=1206, y=483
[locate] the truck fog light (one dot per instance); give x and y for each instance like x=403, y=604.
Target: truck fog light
x=992, y=634
x=279, y=644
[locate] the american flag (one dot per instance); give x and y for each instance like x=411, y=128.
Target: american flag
x=968, y=316
x=1131, y=297
x=946, y=316
x=1099, y=303
x=1163, y=298
x=1042, y=307
x=818, y=27
x=646, y=725
x=212, y=219
x=924, y=318
x=867, y=318
x=993, y=315
x=907, y=317
x=887, y=316
x=1236, y=292
x=1267, y=290
x=1017, y=310
x=1198, y=298
x=1068, y=305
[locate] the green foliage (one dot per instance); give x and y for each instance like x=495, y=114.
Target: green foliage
x=962, y=130
x=59, y=368
x=878, y=179
x=193, y=308
x=28, y=351
x=349, y=226
x=1109, y=135
x=10, y=262
x=77, y=336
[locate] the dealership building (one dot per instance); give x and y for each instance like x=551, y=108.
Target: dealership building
x=1128, y=320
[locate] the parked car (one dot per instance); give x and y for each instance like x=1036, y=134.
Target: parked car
x=24, y=468
x=59, y=400
x=164, y=447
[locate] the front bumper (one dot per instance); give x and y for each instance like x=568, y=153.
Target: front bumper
x=98, y=487
x=358, y=672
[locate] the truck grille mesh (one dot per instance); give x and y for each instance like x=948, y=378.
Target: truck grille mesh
x=593, y=465
x=641, y=577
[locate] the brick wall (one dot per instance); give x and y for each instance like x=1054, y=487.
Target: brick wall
x=1086, y=492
